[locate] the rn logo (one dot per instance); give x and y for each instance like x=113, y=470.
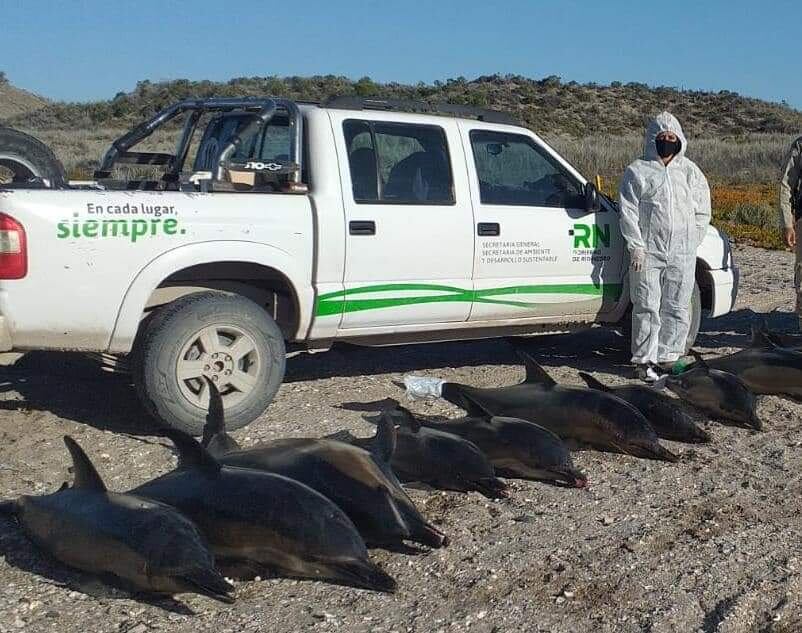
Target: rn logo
x=590, y=235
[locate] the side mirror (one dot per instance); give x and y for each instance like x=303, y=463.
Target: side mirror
x=592, y=201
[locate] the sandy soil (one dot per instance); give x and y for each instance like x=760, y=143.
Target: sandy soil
x=711, y=543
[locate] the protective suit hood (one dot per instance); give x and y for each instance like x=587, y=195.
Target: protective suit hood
x=663, y=122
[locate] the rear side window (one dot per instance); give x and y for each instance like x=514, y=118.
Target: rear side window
x=398, y=163
x=271, y=143
x=513, y=170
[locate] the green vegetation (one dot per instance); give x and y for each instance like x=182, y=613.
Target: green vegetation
x=737, y=141
x=547, y=105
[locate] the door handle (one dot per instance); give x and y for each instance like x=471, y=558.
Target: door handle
x=488, y=229
x=362, y=227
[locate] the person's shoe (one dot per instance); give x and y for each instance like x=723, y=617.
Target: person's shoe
x=646, y=373
x=667, y=366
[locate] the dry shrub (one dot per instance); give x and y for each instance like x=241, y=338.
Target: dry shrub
x=743, y=160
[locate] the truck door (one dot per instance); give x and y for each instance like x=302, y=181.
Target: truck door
x=538, y=252
x=408, y=223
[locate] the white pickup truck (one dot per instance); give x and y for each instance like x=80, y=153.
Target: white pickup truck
x=278, y=223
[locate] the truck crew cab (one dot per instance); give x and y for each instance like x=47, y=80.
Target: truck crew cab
x=283, y=223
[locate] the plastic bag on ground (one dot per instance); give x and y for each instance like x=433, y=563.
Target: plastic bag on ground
x=423, y=388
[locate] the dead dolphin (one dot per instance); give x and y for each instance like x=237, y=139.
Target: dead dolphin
x=761, y=333
x=577, y=415
x=720, y=394
x=256, y=521
x=765, y=368
x=140, y=544
x=667, y=418
x=434, y=457
x=517, y=448
x=350, y=476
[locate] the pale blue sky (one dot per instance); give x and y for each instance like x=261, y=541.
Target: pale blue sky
x=87, y=49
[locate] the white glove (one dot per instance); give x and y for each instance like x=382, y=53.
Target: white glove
x=636, y=258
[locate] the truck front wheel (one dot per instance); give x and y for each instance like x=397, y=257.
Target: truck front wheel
x=226, y=338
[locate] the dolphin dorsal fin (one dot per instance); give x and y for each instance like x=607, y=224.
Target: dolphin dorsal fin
x=191, y=454
x=700, y=360
x=405, y=417
x=216, y=420
x=383, y=445
x=592, y=382
x=535, y=374
x=474, y=407
x=761, y=336
x=85, y=475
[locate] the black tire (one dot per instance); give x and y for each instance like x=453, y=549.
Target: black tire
x=625, y=325
x=25, y=157
x=158, y=351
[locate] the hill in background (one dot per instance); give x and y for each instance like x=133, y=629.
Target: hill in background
x=15, y=102
x=738, y=142
x=548, y=106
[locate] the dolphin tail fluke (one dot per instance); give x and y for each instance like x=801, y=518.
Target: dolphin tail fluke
x=492, y=488
x=207, y=582
x=361, y=574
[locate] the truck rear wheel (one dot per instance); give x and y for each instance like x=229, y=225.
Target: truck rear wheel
x=23, y=157
x=226, y=338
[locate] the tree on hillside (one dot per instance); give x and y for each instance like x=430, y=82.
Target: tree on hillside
x=3, y=78
x=366, y=87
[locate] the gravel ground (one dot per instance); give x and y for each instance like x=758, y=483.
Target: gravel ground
x=708, y=544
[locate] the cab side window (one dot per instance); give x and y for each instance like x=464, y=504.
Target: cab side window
x=513, y=170
x=398, y=163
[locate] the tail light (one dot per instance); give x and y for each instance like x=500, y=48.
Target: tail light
x=13, y=249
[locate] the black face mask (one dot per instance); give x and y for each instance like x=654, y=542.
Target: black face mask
x=667, y=148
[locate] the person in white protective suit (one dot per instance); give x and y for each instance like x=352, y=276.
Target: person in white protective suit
x=665, y=210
